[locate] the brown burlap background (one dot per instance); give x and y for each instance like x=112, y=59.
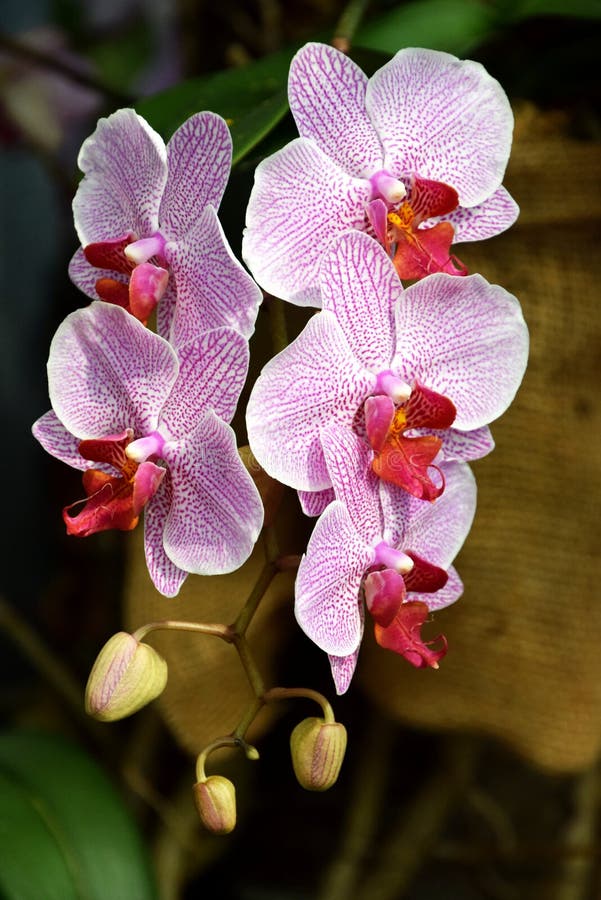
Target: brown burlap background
x=524, y=662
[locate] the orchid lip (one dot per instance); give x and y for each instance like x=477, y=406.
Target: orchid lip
x=140, y=449
x=386, y=186
x=141, y=251
x=387, y=556
x=389, y=383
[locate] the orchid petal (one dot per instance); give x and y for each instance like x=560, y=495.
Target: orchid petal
x=444, y=119
x=212, y=371
x=466, y=339
x=106, y=372
x=56, y=440
x=213, y=288
x=444, y=596
x=300, y=200
x=349, y=462
x=434, y=531
x=466, y=445
x=314, y=382
x=166, y=576
x=328, y=583
x=326, y=91
x=85, y=276
x=199, y=158
x=494, y=215
x=125, y=168
x=216, y=512
x=343, y=669
x=313, y=503
x=360, y=286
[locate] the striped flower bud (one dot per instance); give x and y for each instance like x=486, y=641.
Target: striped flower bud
x=126, y=676
x=215, y=801
x=317, y=751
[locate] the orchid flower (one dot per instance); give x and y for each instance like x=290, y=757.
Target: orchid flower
x=415, y=155
x=148, y=427
x=419, y=373
x=146, y=218
x=376, y=543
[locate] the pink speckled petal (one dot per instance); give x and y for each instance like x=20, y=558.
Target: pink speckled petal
x=199, y=157
x=216, y=512
x=56, y=440
x=443, y=119
x=212, y=372
x=448, y=594
x=165, y=575
x=301, y=199
x=315, y=381
x=465, y=445
x=313, y=503
x=326, y=91
x=359, y=284
x=343, y=669
x=349, y=461
x=106, y=372
x=435, y=531
x=328, y=583
x=490, y=217
x=213, y=288
x=125, y=167
x=466, y=339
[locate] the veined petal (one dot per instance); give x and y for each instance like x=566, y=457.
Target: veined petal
x=492, y=216
x=84, y=275
x=199, y=158
x=443, y=119
x=326, y=91
x=466, y=445
x=301, y=199
x=343, y=669
x=165, y=575
x=434, y=531
x=213, y=288
x=349, y=462
x=359, y=284
x=212, y=371
x=125, y=168
x=107, y=373
x=313, y=503
x=328, y=583
x=314, y=382
x=216, y=512
x=56, y=440
x=444, y=596
x=466, y=339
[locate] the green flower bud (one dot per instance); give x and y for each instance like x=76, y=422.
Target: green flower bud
x=125, y=677
x=215, y=801
x=317, y=751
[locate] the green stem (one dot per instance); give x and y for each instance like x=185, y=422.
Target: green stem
x=277, y=324
x=348, y=23
x=252, y=604
x=279, y=693
x=221, y=631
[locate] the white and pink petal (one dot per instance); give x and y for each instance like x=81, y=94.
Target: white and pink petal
x=165, y=575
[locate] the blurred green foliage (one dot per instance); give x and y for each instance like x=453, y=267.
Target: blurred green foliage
x=64, y=831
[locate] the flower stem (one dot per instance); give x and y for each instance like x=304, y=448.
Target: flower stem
x=348, y=23
x=222, y=631
x=280, y=693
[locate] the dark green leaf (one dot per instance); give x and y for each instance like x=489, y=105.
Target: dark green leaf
x=75, y=837
x=578, y=9
x=252, y=100
x=452, y=25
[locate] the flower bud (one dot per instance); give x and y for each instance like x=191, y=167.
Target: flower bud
x=125, y=677
x=317, y=752
x=215, y=801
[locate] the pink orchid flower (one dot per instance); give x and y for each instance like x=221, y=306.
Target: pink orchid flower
x=148, y=428
x=415, y=155
x=376, y=543
x=419, y=373
x=146, y=218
